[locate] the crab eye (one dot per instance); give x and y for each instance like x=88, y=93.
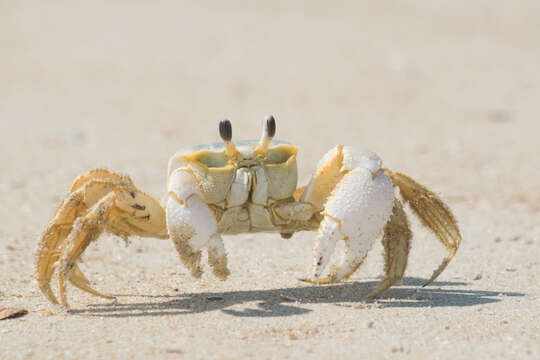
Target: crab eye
x=225, y=130
x=270, y=126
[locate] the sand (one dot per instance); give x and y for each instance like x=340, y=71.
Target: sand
x=445, y=91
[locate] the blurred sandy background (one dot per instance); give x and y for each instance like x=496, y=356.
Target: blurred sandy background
x=446, y=91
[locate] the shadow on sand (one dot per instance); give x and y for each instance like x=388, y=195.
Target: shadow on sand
x=290, y=301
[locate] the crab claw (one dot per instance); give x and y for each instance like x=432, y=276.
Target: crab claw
x=356, y=200
x=355, y=196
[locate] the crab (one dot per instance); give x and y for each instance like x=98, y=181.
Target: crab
x=249, y=187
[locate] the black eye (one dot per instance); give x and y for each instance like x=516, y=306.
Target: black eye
x=225, y=130
x=270, y=126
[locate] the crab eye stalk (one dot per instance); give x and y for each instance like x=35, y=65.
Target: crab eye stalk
x=225, y=131
x=269, y=130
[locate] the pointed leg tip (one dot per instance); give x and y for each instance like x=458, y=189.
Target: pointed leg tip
x=374, y=294
x=47, y=291
x=317, y=281
x=432, y=278
x=327, y=280
x=308, y=281
x=223, y=276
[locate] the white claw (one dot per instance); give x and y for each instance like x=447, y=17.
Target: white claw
x=363, y=204
x=356, y=209
x=354, y=158
x=325, y=244
x=190, y=222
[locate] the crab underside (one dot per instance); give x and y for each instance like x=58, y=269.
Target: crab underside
x=250, y=186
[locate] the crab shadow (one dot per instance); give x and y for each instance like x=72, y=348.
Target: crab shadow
x=293, y=301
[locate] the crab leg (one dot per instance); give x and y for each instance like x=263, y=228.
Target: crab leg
x=78, y=279
x=121, y=212
x=99, y=200
x=396, y=241
x=48, y=252
x=433, y=213
x=84, y=192
x=85, y=230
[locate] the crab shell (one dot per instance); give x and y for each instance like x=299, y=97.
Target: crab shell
x=240, y=191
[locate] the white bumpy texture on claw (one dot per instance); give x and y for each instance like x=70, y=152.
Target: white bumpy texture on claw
x=356, y=211
x=192, y=225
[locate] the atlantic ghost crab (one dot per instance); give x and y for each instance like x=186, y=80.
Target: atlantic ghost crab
x=248, y=187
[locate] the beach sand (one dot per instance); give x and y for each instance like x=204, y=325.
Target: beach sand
x=445, y=91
